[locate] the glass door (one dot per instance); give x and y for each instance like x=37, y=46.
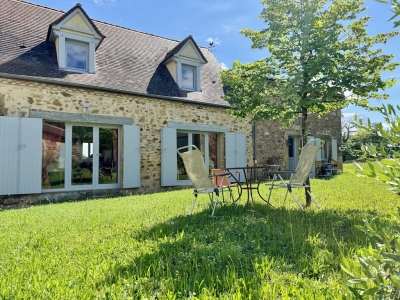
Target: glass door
x=94, y=156
x=82, y=159
x=108, y=156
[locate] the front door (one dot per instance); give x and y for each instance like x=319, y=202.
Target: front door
x=293, y=153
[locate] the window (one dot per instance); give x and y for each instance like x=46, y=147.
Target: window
x=325, y=151
x=188, y=77
x=77, y=55
x=205, y=142
x=79, y=155
x=220, y=149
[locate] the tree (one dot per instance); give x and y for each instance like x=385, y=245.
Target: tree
x=319, y=52
x=387, y=150
x=349, y=129
x=353, y=147
x=396, y=10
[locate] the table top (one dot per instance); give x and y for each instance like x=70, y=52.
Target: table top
x=255, y=167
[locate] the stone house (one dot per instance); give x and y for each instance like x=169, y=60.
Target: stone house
x=90, y=108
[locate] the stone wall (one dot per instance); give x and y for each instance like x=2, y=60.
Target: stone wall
x=272, y=140
x=17, y=97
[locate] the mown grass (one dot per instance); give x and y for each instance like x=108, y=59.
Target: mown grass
x=148, y=247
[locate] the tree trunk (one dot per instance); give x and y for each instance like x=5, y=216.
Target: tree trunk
x=304, y=114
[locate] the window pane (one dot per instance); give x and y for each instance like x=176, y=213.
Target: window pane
x=76, y=56
x=188, y=78
x=182, y=139
x=82, y=155
x=108, y=155
x=53, y=156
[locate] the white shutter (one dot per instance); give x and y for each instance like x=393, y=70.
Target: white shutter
x=168, y=157
x=334, y=150
x=240, y=143
x=21, y=155
x=235, y=151
x=230, y=150
x=30, y=156
x=9, y=143
x=131, y=163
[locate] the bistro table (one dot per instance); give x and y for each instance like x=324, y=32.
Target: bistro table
x=248, y=173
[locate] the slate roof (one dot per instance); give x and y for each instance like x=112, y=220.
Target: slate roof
x=127, y=60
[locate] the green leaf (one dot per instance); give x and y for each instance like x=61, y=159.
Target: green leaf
x=371, y=292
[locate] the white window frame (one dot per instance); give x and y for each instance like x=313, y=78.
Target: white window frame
x=63, y=38
x=206, y=150
x=181, y=63
x=86, y=45
x=184, y=66
x=68, y=159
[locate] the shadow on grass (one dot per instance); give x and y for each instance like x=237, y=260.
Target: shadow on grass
x=197, y=251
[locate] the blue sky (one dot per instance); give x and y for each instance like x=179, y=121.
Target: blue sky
x=219, y=20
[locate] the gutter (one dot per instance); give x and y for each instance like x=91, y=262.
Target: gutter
x=99, y=88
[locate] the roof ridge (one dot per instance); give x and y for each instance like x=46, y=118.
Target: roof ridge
x=107, y=23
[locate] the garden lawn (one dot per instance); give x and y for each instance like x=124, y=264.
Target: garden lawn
x=149, y=247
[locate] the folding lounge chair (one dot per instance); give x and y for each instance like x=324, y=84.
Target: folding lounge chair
x=196, y=170
x=299, y=176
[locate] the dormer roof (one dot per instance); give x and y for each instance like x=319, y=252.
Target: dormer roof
x=77, y=19
x=176, y=51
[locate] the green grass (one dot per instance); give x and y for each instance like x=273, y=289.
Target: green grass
x=148, y=247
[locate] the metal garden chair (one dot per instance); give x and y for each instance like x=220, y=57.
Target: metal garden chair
x=196, y=170
x=298, y=177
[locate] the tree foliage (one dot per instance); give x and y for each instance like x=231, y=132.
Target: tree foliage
x=319, y=52
x=354, y=145
x=375, y=273
x=387, y=151
x=395, y=9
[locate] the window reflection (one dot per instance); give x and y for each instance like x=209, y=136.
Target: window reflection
x=108, y=155
x=76, y=56
x=188, y=78
x=53, y=155
x=82, y=155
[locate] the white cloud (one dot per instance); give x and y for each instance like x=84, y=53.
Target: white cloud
x=216, y=41
x=103, y=2
x=223, y=66
x=350, y=114
x=227, y=28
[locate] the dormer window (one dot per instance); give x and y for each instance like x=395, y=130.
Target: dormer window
x=77, y=55
x=188, y=77
x=184, y=63
x=76, y=39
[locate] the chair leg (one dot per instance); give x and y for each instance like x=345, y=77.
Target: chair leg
x=295, y=199
x=230, y=193
x=284, y=200
x=270, y=192
x=194, y=202
x=215, y=205
x=313, y=199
